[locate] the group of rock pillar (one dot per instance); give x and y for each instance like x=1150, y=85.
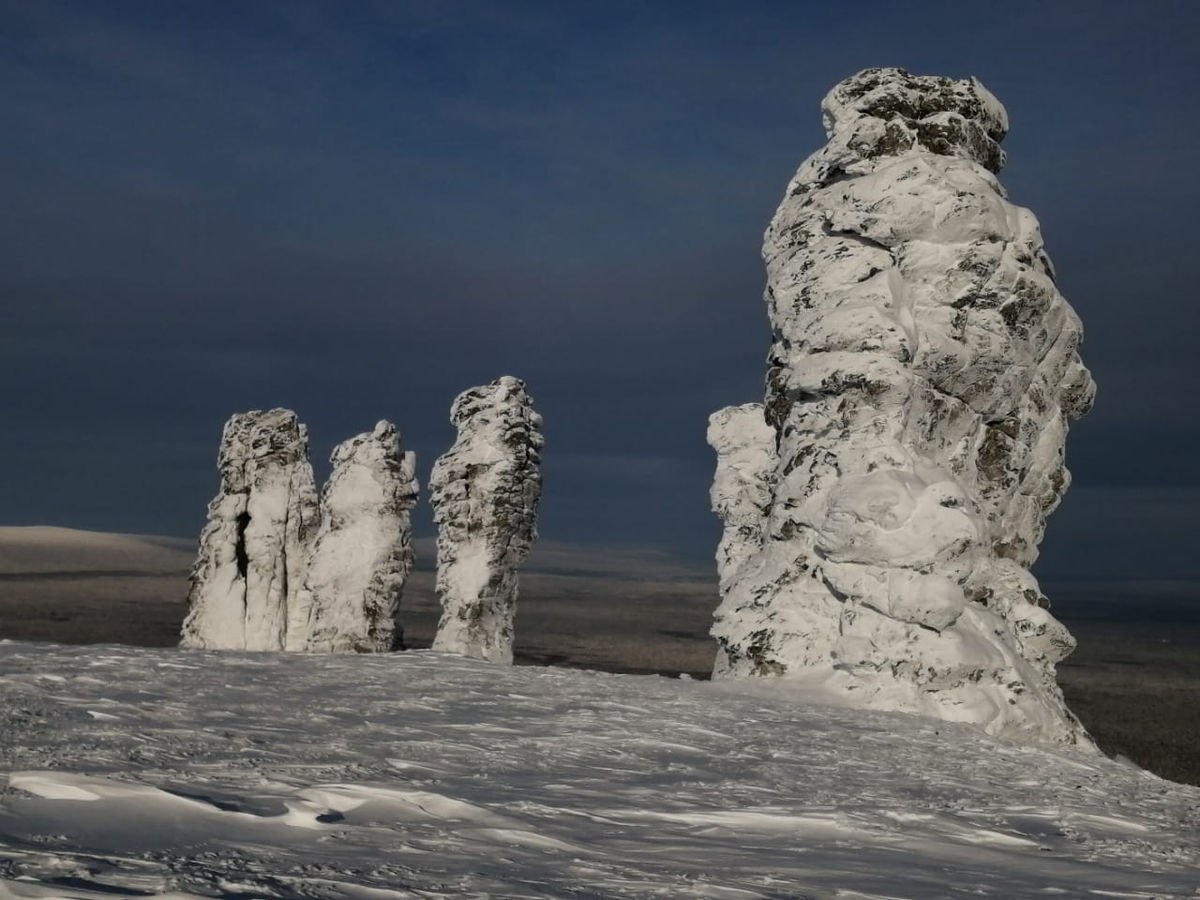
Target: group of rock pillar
x=882, y=506
x=280, y=568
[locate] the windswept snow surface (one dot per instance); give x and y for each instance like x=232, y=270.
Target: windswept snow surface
x=209, y=773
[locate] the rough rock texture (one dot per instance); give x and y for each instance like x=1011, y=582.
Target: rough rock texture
x=922, y=373
x=255, y=545
x=363, y=549
x=485, y=492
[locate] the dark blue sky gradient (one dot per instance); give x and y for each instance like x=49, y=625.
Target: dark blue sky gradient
x=358, y=210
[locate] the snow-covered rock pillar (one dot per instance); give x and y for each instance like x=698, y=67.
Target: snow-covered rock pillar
x=363, y=553
x=922, y=373
x=484, y=491
x=742, y=489
x=255, y=545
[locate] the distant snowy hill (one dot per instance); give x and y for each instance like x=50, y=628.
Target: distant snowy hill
x=197, y=773
x=45, y=549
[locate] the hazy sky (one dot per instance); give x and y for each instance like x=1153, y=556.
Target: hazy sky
x=357, y=210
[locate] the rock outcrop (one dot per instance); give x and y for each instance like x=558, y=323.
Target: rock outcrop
x=742, y=489
x=922, y=373
x=363, y=549
x=255, y=545
x=484, y=491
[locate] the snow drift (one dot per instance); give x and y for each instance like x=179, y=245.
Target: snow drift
x=179, y=774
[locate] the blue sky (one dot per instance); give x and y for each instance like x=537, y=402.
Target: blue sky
x=357, y=210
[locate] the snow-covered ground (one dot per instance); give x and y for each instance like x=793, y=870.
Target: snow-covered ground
x=162, y=772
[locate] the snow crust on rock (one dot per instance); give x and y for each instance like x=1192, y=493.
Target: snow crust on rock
x=741, y=489
x=485, y=491
x=922, y=373
x=363, y=552
x=255, y=544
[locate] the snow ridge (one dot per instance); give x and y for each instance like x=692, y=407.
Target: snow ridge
x=175, y=774
x=921, y=377
x=485, y=491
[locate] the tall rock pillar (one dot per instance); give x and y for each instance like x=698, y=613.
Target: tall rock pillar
x=485, y=491
x=254, y=547
x=922, y=373
x=363, y=552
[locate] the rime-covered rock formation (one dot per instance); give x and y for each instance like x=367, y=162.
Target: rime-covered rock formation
x=922, y=373
x=742, y=486
x=741, y=490
x=363, y=549
x=485, y=492
x=255, y=545
x=277, y=571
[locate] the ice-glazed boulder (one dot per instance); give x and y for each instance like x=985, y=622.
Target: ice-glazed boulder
x=363, y=549
x=255, y=545
x=484, y=491
x=922, y=373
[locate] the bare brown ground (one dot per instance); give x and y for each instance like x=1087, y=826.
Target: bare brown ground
x=1139, y=697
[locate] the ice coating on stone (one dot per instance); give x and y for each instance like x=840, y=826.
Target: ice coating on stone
x=888, y=112
x=922, y=373
x=255, y=544
x=742, y=488
x=484, y=491
x=363, y=552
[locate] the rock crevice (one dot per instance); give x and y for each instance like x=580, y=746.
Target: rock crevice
x=255, y=545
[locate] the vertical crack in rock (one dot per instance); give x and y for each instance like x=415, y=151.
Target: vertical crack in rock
x=485, y=491
x=256, y=540
x=277, y=571
x=363, y=552
x=239, y=550
x=922, y=373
